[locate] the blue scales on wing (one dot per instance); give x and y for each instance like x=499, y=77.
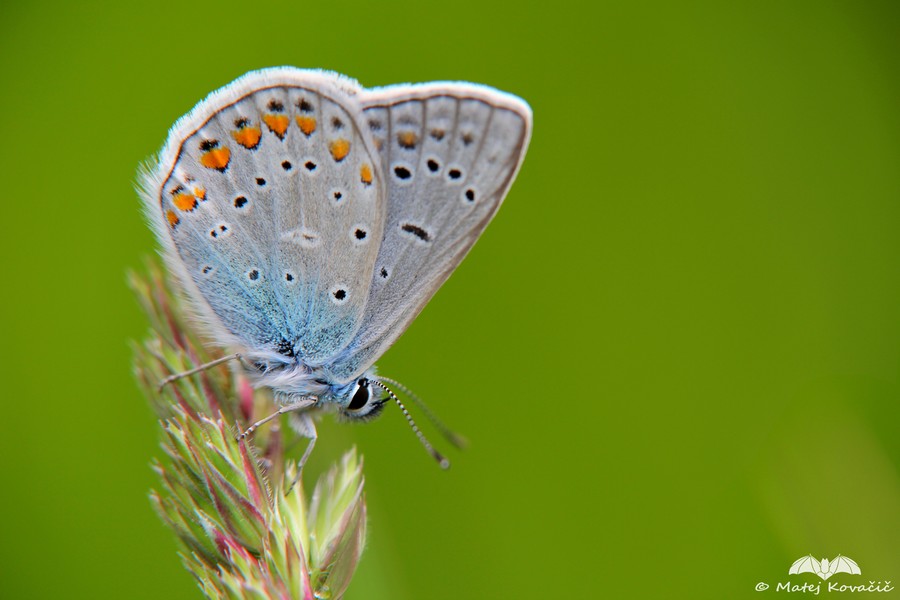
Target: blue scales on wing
x=274, y=205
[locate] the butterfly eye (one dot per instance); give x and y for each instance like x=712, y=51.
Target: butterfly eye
x=361, y=397
x=364, y=404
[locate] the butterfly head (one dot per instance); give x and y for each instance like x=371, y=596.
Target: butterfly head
x=361, y=400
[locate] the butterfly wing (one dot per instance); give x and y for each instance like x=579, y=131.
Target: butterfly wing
x=449, y=153
x=268, y=200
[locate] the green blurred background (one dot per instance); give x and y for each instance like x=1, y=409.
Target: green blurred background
x=675, y=351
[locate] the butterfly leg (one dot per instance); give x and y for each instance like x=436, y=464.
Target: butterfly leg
x=305, y=426
x=303, y=404
x=203, y=367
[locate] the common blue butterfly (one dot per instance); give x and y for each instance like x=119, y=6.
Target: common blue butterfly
x=310, y=220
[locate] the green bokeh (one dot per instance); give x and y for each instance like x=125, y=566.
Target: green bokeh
x=675, y=351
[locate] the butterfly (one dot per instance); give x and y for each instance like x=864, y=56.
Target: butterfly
x=309, y=220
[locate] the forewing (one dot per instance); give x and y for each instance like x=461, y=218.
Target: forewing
x=450, y=153
x=269, y=199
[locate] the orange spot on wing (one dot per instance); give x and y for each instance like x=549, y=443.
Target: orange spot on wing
x=184, y=202
x=340, y=148
x=248, y=137
x=365, y=174
x=407, y=139
x=172, y=218
x=278, y=124
x=200, y=193
x=307, y=125
x=217, y=158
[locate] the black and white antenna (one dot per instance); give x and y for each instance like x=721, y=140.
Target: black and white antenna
x=451, y=436
x=440, y=458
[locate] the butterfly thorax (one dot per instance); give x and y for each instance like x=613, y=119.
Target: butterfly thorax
x=293, y=381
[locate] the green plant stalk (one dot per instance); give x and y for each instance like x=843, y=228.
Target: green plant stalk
x=244, y=531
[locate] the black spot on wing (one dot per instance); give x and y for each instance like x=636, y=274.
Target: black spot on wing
x=416, y=231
